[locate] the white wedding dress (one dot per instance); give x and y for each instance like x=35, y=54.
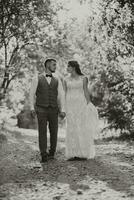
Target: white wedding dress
x=82, y=122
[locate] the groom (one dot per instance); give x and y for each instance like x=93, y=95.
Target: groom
x=47, y=101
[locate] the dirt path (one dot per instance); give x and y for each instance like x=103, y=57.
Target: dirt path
x=109, y=176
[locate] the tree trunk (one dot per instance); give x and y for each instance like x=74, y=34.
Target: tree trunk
x=6, y=75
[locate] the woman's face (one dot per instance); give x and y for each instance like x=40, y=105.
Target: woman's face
x=70, y=69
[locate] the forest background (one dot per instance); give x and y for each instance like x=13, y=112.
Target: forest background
x=99, y=34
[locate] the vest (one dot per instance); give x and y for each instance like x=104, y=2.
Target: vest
x=46, y=94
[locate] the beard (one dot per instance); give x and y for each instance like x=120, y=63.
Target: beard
x=52, y=71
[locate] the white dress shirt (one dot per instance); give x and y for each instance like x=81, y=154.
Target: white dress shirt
x=60, y=99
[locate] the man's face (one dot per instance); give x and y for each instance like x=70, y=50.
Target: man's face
x=52, y=66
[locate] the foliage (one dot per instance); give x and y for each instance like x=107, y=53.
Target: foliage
x=110, y=52
x=99, y=34
x=119, y=104
x=19, y=22
x=108, y=57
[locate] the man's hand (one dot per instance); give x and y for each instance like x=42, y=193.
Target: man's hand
x=62, y=115
x=33, y=113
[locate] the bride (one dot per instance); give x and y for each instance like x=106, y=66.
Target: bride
x=82, y=116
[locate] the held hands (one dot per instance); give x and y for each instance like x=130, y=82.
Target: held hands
x=62, y=115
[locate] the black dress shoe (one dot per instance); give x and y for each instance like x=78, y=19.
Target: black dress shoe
x=72, y=159
x=79, y=158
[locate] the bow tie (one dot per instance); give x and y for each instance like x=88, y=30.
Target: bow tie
x=48, y=75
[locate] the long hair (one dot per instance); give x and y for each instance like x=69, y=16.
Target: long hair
x=75, y=65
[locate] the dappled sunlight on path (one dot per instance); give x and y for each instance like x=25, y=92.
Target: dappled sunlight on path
x=109, y=176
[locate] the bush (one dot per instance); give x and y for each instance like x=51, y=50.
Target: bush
x=25, y=120
x=118, y=107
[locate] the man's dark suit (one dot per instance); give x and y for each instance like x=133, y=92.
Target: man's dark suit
x=46, y=107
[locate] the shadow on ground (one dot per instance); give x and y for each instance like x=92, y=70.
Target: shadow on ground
x=20, y=163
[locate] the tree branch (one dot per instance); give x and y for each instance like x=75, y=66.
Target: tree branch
x=13, y=54
x=8, y=82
